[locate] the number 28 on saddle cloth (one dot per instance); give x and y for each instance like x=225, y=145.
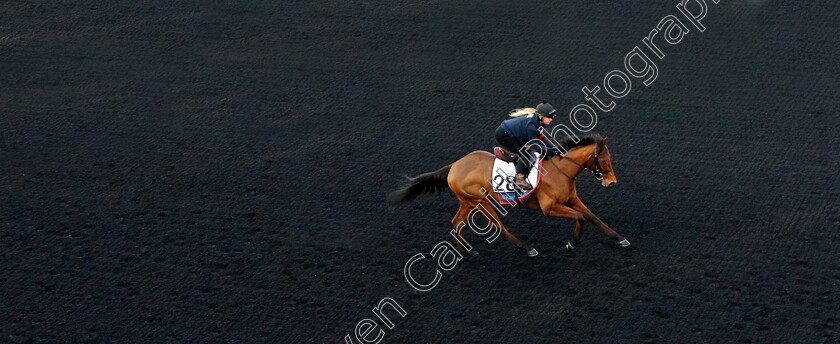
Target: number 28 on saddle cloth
x=502, y=180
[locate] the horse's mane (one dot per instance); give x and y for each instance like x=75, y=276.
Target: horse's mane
x=585, y=140
x=522, y=111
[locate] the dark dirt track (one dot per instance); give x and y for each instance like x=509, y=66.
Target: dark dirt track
x=183, y=173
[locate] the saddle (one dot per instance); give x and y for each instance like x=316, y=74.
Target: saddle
x=505, y=155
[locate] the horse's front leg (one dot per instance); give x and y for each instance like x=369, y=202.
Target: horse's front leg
x=561, y=210
x=578, y=205
x=578, y=233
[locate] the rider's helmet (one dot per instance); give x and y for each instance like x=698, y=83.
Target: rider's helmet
x=545, y=109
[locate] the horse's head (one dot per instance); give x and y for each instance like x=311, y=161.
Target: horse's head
x=602, y=165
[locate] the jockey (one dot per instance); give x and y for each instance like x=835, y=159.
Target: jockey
x=515, y=133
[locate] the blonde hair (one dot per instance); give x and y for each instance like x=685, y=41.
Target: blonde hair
x=522, y=112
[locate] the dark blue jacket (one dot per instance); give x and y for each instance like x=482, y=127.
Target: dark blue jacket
x=523, y=129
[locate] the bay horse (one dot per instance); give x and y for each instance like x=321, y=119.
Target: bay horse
x=555, y=195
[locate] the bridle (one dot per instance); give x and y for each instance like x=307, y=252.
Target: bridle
x=593, y=165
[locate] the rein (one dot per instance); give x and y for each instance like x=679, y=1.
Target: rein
x=596, y=170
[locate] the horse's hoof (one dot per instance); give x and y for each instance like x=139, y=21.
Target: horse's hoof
x=569, y=246
x=624, y=243
x=533, y=253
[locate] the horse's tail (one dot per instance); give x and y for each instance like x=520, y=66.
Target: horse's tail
x=422, y=185
x=522, y=112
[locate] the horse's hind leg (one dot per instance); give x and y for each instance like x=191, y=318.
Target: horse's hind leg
x=457, y=228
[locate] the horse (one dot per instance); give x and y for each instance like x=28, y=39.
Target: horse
x=555, y=195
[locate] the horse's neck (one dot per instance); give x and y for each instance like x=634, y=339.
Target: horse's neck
x=580, y=155
x=562, y=181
